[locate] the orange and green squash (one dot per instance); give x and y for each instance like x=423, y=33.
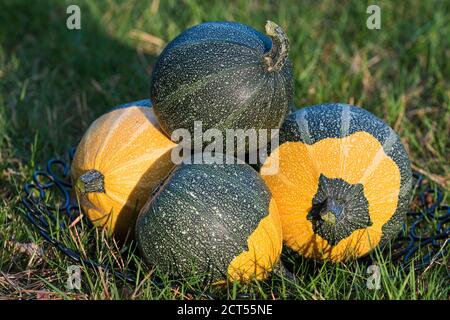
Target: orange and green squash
x=120, y=160
x=213, y=221
x=343, y=182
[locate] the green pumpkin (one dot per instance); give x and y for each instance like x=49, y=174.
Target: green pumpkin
x=226, y=75
x=343, y=183
x=213, y=221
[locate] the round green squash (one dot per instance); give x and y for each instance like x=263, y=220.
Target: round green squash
x=226, y=75
x=214, y=221
x=343, y=183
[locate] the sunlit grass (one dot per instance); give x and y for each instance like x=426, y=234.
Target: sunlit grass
x=55, y=82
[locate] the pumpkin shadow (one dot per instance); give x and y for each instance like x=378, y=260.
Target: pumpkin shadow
x=125, y=217
x=299, y=265
x=153, y=173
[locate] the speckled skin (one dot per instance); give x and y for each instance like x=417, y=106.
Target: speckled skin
x=314, y=123
x=201, y=218
x=215, y=73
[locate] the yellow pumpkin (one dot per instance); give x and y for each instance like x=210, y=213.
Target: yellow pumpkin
x=120, y=160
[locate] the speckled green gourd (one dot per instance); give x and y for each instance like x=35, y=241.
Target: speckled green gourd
x=213, y=221
x=226, y=75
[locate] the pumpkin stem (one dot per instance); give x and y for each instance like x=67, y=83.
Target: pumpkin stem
x=328, y=217
x=278, y=54
x=91, y=181
x=331, y=211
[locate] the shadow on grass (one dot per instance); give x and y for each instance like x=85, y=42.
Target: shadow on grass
x=56, y=81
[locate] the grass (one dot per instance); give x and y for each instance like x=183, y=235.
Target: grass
x=54, y=82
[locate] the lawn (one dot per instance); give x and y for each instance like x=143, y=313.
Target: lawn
x=54, y=82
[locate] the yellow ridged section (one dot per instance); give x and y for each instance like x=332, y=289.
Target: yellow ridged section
x=264, y=249
x=129, y=149
x=357, y=158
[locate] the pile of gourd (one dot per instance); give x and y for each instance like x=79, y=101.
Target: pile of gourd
x=341, y=188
